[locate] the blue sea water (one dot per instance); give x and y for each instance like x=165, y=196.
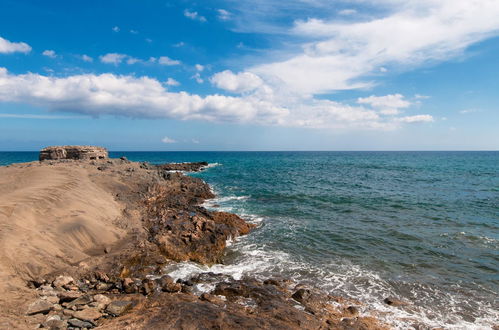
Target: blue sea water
x=418, y=226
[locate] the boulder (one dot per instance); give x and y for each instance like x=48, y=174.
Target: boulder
x=89, y=314
x=62, y=280
x=73, y=152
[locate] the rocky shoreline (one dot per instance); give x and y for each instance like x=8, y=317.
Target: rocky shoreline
x=123, y=286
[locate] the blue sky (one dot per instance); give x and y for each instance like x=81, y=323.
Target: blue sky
x=250, y=75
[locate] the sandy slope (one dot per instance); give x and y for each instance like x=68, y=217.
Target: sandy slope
x=50, y=216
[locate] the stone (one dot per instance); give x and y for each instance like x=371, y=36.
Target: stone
x=73, y=152
x=148, y=286
x=103, y=286
x=102, y=299
x=167, y=285
x=69, y=295
x=352, y=310
x=301, y=295
x=62, y=280
x=118, y=307
x=80, y=324
x=83, y=300
x=89, y=314
x=395, y=302
x=40, y=306
x=54, y=322
x=53, y=299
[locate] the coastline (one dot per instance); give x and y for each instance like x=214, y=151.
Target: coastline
x=160, y=222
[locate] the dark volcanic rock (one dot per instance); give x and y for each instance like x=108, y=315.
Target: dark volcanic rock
x=73, y=152
x=188, y=167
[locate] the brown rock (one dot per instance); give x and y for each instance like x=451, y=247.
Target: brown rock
x=395, y=302
x=73, y=152
x=62, y=280
x=40, y=306
x=89, y=314
x=118, y=307
x=68, y=295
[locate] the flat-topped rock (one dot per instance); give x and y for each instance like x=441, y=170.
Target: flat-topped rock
x=73, y=152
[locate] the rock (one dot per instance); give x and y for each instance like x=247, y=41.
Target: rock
x=129, y=286
x=107, y=249
x=40, y=306
x=68, y=295
x=148, y=286
x=101, y=276
x=62, y=280
x=89, y=314
x=73, y=152
x=188, y=167
x=103, y=286
x=212, y=299
x=102, y=299
x=54, y=322
x=352, y=310
x=118, y=307
x=167, y=285
x=123, y=158
x=80, y=324
x=83, y=300
x=395, y=302
x=53, y=299
x=301, y=295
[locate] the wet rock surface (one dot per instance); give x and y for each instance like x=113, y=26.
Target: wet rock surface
x=124, y=286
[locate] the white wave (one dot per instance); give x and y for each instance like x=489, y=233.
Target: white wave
x=210, y=165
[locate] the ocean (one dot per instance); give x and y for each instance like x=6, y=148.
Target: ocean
x=422, y=227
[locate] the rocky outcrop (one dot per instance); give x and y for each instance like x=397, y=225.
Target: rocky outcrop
x=185, y=167
x=73, y=152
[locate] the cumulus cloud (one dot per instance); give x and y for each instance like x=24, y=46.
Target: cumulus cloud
x=198, y=78
x=194, y=16
x=341, y=55
x=165, y=60
x=49, y=53
x=168, y=140
x=172, y=82
x=7, y=47
x=86, y=58
x=144, y=97
x=236, y=83
x=116, y=29
x=199, y=67
x=112, y=58
x=387, y=105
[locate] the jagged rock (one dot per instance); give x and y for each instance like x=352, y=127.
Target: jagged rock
x=167, y=285
x=68, y=295
x=40, y=306
x=188, y=167
x=118, y=307
x=52, y=299
x=73, y=152
x=89, y=314
x=80, y=324
x=62, y=280
x=102, y=299
x=301, y=295
x=83, y=300
x=54, y=322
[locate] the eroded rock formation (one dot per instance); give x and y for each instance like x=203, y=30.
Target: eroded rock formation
x=73, y=152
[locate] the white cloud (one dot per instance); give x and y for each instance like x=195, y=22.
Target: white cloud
x=347, y=12
x=33, y=116
x=49, y=53
x=132, y=60
x=165, y=60
x=386, y=105
x=172, y=82
x=199, y=67
x=167, y=140
x=129, y=96
x=416, y=119
x=198, y=78
x=194, y=16
x=342, y=55
x=134, y=32
x=116, y=29
x=224, y=15
x=195, y=141
x=7, y=47
x=86, y=58
x=179, y=44
x=237, y=83
x=113, y=58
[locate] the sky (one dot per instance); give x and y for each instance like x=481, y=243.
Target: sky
x=250, y=75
